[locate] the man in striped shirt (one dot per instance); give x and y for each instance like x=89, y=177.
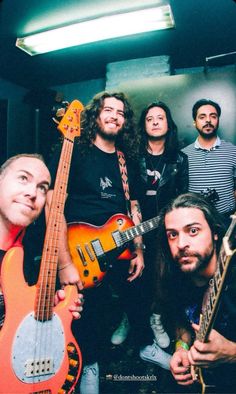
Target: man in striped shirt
x=212, y=161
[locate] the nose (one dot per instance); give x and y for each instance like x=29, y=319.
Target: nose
x=183, y=241
x=31, y=190
x=114, y=114
x=155, y=121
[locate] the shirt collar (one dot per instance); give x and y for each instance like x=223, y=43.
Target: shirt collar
x=215, y=145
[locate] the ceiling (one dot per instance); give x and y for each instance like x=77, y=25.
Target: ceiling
x=202, y=29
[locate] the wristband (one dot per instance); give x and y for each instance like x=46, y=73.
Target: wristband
x=181, y=344
x=64, y=266
x=139, y=245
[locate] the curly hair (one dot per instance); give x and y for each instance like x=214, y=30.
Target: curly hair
x=171, y=143
x=127, y=140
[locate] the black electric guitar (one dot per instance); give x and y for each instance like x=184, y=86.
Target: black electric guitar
x=218, y=285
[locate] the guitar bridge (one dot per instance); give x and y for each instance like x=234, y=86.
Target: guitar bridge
x=38, y=367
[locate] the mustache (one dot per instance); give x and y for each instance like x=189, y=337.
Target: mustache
x=185, y=253
x=208, y=125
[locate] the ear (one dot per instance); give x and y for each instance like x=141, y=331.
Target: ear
x=216, y=237
x=194, y=123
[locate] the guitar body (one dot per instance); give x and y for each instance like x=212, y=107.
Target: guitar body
x=33, y=356
x=94, y=248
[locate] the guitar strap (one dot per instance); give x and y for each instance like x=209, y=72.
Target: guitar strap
x=124, y=178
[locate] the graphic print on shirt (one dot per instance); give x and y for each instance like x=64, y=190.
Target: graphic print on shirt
x=153, y=179
x=106, y=183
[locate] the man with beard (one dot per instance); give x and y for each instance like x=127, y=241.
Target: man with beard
x=212, y=161
x=95, y=193
x=189, y=238
x=164, y=175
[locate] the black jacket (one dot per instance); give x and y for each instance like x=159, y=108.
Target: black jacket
x=174, y=180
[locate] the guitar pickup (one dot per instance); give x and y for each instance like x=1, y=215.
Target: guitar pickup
x=39, y=367
x=81, y=255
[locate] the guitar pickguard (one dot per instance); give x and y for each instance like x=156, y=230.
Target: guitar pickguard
x=38, y=349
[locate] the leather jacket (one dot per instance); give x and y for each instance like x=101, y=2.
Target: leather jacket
x=173, y=181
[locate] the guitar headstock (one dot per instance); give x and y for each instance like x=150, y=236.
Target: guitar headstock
x=70, y=123
x=231, y=233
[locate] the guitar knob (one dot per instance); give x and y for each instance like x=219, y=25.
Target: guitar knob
x=73, y=363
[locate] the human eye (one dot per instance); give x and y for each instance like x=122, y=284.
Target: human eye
x=148, y=119
x=121, y=113
x=107, y=109
x=193, y=231
x=171, y=235
x=43, y=188
x=23, y=178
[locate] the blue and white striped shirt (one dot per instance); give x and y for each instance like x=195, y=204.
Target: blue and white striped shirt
x=213, y=168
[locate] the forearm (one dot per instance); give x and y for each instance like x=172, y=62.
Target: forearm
x=137, y=219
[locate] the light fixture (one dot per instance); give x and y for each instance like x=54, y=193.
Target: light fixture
x=98, y=29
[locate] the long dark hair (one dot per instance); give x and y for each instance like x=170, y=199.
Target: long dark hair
x=171, y=142
x=127, y=140
x=171, y=283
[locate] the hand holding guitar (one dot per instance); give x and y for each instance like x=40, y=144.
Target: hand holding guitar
x=180, y=367
x=75, y=308
x=215, y=351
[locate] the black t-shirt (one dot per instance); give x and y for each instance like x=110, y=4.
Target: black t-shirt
x=95, y=190
x=154, y=167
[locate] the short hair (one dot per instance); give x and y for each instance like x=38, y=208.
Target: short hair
x=9, y=161
x=202, y=102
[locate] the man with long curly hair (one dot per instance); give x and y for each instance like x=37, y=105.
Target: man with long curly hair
x=95, y=193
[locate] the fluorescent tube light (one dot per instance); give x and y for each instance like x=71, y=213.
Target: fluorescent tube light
x=98, y=29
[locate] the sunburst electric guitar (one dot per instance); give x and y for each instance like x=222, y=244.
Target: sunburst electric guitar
x=212, y=300
x=94, y=249
x=38, y=353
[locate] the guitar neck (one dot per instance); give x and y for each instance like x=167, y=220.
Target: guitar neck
x=217, y=284
x=139, y=229
x=46, y=285
x=48, y=271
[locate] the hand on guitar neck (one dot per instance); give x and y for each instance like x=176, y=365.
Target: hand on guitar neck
x=215, y=351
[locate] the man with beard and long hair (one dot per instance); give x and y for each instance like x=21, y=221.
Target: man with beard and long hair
x=189, y=238
x=164, y=175
x=95, y=193
x=212, y=161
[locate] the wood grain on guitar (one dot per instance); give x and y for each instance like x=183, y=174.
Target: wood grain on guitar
x=38, y=353
x=94, y=249
x=211, y=304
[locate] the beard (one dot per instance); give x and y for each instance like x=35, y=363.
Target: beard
x=108, y=136
x=201, y=260
x=209, y=135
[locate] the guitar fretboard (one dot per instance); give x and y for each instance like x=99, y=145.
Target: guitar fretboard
x=140, y=229
x=47, y=278
x=217, y=283
x=46, y=285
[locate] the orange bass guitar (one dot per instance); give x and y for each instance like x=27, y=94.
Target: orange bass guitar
x=38, y=353
x=94, y=249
